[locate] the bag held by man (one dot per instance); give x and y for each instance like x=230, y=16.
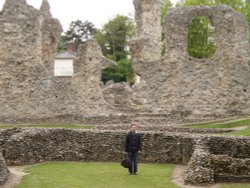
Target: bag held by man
x=126, y=163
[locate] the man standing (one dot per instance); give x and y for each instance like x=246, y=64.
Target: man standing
x=132, y=147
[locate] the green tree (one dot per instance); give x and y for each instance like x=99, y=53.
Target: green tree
x=78, y=32
x=199, y=38
x=122, y=73
x=113, y=39
x=247, y=11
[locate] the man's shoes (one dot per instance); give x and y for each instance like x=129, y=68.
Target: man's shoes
x=135, y=173
x=130, y=173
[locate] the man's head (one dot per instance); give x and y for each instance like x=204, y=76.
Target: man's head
x=133, y=127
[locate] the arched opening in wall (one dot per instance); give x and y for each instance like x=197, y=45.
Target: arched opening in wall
x=200, y=38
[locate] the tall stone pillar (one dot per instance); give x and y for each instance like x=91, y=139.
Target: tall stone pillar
x=147, y=46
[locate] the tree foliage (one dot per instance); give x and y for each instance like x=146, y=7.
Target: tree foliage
x=113, y=39
x=200, y=44
x=78, y=32
x=122, y=73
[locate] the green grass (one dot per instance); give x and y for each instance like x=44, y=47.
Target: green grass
x=96, y=175
x=229, y=124
x=68, y=126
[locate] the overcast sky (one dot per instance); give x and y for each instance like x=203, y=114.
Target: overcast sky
x=96, y=11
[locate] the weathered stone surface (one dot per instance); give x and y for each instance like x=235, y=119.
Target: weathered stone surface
x=147, y=46
x=207, y=165
x=200, y=169
x=24, y=76
x=178, y=85
x=195, y=88
x=29, y=39
x=214, y=86
x=51, y=32
x=229, y=169
x=120, y=96
x=4, y=172
x=38, y=145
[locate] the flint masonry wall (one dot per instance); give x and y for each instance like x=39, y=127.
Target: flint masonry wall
x=28, y=89
x=208, y=157
x=219, y=159
x=39, y=145
x=181, y=84
x=4, y=172
x=207, y=87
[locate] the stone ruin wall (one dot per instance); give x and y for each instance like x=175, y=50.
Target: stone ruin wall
x=4, y=172
x=209, y=158
x=177, y=85
x=215, y=86
x=195, y=88
x=28, y=89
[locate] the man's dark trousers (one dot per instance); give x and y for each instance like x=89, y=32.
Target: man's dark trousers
x=133, y=156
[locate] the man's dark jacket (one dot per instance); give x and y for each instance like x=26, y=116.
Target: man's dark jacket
x=133, y=142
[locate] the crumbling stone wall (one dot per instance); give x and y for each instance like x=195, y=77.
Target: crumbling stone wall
x=213, y=87
x=219, y=159
x=218, y=85
x=28, y=39
x=4, y=172
x=51, y=31
x=39, y=145
x=147, y=46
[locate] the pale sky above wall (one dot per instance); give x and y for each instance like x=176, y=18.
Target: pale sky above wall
x=96, y=11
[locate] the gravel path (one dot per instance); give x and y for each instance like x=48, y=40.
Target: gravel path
x=16, y=174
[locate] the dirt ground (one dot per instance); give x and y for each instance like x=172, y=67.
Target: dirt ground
x=16, y=174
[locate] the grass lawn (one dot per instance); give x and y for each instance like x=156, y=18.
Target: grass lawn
x=229, y=124
x=96, y=175
x=67, y=126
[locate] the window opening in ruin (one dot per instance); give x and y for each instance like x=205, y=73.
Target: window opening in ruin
x=200, y=38
x=123, y=72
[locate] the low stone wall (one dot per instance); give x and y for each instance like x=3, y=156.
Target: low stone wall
x=4, y=172
x=229, y=169
x=208, y=165
x=39, y=145
x=208, y=157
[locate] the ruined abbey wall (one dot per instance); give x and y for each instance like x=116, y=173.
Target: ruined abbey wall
x=217, y=85
x=28, y=88
x=213, y=87
x=176, y=84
